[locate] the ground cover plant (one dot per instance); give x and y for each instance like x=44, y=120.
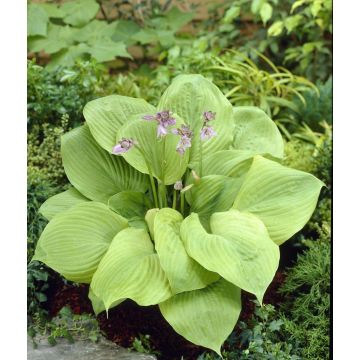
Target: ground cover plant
x=193, y=177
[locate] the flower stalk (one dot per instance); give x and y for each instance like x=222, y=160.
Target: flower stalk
x=182, y=202
x=152, y=182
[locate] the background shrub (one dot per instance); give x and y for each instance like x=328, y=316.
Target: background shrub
x=66, y=91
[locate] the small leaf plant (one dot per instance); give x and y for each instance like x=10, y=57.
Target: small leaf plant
x=183, y=206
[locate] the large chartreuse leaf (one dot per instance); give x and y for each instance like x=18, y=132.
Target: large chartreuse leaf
x=150, y=219
x=205, y=317
x=131, y=270
x=256, y=254
x=282, y=198
x=256, y=133
x=106, y=115
x=93, y=171
x=211, y=194
x=233, y=163
x=239, y=249
x=165, y=162
x=74, y=241
x=189, y=96
x=183, y=272
x=130, y=204
x=61, y=202
x=98, y=304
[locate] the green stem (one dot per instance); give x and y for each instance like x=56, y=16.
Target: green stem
x=162, y=194
x=153, y=188
x=182, y=202
x=152, y=182
x=200, y=161
x=159, y=194
x=163, y=187
x=174, y=200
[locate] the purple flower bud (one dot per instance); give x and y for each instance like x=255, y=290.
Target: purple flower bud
x=164, y=119
x=184, y=131
x=180, y=150
x=149, y=117
x=161, y=130
x=208, y=116
x=123, y=146
x=183, y=144
x=207, y=132
x=178, y=185
x=185, y=140
x=169, y=122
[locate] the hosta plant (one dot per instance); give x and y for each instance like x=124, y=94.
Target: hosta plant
x=183, y=205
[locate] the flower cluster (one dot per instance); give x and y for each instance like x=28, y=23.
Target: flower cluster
x=123, y=146
x=185, y=139
x=164, y=119
x=207, y=132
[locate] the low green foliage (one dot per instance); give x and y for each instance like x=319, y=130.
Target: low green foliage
x=37, y=284
x=316, y=158
x=299, y=155
x=143, y=345
x=318, y=106
x=66, y=325
x=262, y=338
x=53, y=94
x=38, y=190
x=312, y=153
x=44, y=159
x=307, y=295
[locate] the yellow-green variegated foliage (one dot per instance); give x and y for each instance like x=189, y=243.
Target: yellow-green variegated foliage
x=127, y=231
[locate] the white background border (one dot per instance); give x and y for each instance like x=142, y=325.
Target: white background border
x=346, y=206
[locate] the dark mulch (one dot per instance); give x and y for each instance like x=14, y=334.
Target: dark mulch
x=129, y=320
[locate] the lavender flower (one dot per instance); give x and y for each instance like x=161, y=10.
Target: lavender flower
x=183, y=144
x=184, y=131
x=164, y=119
x=123, y=146
x=185, y=140
x=208, y=116
x=161, y=130
x=207, y=132
x=178, y=185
